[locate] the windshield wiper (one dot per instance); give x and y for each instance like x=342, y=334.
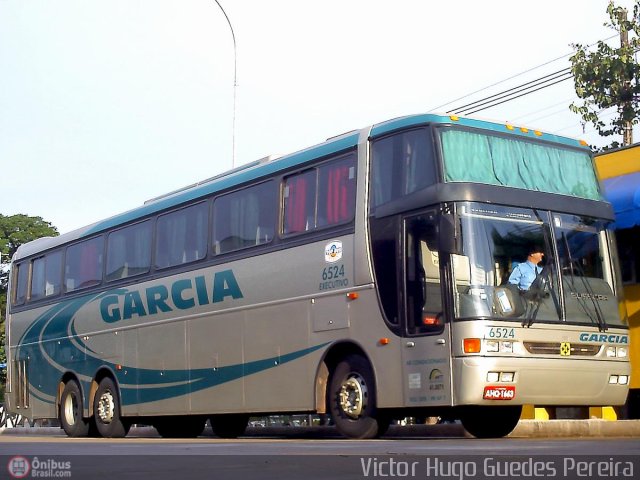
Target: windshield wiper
x=599, y=320
x=542, y=286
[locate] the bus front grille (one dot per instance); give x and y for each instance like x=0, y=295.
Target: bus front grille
x=563, y=348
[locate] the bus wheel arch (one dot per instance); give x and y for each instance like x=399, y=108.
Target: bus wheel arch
x=71, y=412
x=333, y=355
x=106, y=406
x=351, y=395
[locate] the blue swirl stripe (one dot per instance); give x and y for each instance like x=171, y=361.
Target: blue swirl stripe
x=53, y=339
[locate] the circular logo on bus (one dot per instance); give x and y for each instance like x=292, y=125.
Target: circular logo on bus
x=333, y=251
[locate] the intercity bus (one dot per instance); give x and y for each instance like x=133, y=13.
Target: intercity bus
x=366, y=278
x=619, y=172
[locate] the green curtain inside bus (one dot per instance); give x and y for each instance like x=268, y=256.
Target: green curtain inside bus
x=473, y=157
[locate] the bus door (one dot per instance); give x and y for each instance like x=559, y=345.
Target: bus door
x=427, y=337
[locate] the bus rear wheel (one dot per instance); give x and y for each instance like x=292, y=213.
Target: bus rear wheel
x=491, y=422
x=230, y=425
x=70, y=414
x=106, y=411
x=352, y=399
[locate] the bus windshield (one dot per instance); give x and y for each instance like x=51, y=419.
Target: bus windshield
x=509, y=267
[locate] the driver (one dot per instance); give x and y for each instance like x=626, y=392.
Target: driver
x=525, y=273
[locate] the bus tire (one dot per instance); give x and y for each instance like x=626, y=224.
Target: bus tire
x=230, y=425
x=491, y=422
x=106, y=411
x=71, y=410
x=352, y=399
x=187, y=426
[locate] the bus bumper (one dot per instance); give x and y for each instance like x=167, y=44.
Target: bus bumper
x=575, y=382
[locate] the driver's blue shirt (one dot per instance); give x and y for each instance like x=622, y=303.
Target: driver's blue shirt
x=524, y=274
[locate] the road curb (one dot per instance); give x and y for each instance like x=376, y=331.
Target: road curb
x=525, y=429
x=577, y=428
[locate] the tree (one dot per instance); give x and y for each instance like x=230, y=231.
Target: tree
x=14, y=231
x=609, y=77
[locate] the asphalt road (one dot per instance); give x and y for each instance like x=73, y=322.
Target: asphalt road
x=313, y=454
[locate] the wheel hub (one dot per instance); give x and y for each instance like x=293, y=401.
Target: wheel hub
x=69, y=409
x=353, y=396
x=106, y=407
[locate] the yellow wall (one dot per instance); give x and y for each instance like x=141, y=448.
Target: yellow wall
x=632, y=298
x=620, y=162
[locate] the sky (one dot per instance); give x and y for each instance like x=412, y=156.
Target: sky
x=106, y=104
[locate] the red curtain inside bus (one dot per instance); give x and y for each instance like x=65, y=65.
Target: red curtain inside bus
x=296, y=205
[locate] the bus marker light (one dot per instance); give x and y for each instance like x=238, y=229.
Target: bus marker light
x=352, y=295
x=430, y=320
x=524, y=130
x=537, y=133
x=454, y=118
x=383, y=341
x=583, y=143
x=118, y=367
x=510, y=127
x=472, y=345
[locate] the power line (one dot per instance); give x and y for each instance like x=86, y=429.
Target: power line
x=528, y=92
x=527, y=87
x=516, y=75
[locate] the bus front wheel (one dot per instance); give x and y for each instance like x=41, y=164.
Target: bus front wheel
x=491, y=422
x=352, y=399
x=106, y=410
x=73, y=424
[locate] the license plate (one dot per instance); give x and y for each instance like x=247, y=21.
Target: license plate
x=499, y=393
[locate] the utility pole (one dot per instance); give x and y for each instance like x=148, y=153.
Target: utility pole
x=235, y=87
x=627, y=129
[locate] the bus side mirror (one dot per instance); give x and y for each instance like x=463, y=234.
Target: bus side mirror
x=448, y=235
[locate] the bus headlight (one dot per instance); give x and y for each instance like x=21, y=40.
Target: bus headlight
x=623, y=379
x=492, y=346
x=613, y=379
x=506, y=347
x=506, y=376
x=616, y=352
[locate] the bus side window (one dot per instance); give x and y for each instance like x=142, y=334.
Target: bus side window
x=181, y=236
x=320, y=197
x=83, y=266
x=129, y=251
x=244, y=218
x=336, y=192
x=401, y=164
x=424, y=297
x=45, y=277
x=299, y=202
x=21, y=279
